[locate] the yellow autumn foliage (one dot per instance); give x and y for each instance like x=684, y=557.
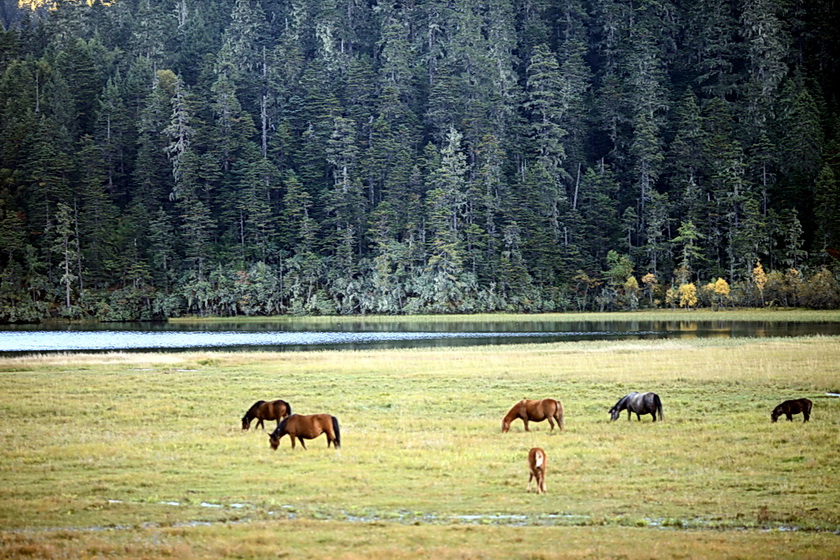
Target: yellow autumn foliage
x=36, y=4
x=688, y=295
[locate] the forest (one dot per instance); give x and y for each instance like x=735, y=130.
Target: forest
x=161, y=158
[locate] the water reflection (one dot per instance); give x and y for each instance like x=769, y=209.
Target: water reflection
x=301, y=335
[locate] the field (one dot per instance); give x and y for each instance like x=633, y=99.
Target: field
x=142, y=455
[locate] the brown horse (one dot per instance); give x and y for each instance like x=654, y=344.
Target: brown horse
x=261, y=410
x=303, y=427
x=536, y=465
x=534, y=411
x=789, y=408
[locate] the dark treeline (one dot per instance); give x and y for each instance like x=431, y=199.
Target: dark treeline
x=165, y=157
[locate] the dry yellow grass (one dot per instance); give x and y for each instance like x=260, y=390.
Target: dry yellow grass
x=148, y=446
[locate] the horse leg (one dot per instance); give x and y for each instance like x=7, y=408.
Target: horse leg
x=550, y=423
x=525, y=421
x=301, y=441
x=530, y=478
x=789, y=417
x=542, y=481
x=260, y=423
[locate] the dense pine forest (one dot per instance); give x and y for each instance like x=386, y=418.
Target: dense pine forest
x=253, y=157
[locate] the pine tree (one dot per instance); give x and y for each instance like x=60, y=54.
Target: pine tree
x=152, y=175
x=800, y=143
x=544, y=89
x=600, y=228
x=96, y=217
x=685, y=164
x=114, y=133
x=767, y=46
x=233, y=126
x=345, y=203
x=713, y=54
x=65, y=247
x=691, y=254
x=50, y=170
x=260, y=182
x=827, y=210
x=445, y=201
x=196, y=223
x=162, y=248
x=180, y=132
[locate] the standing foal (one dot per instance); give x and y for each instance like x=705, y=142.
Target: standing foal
x=536, y=464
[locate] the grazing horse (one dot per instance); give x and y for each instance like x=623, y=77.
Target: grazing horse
x=791, y=407
x=303, y=427
x=261, y=410
x=640, y=403
x=534, y=411
x=536, y=465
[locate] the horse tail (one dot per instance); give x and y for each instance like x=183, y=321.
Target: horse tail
x=558, y=415
x=288, y=408
x=658, y=404
x=538, y=459
x=336, y=432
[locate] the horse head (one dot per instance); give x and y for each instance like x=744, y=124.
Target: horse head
x=615, y=411
x=776, y=413
x=246, y=422
x=279, y=432
x=505, y=425
x=274, y=438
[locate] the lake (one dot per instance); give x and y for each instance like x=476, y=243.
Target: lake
x=361, y=334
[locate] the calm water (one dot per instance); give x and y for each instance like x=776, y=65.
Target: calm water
x=362, y=334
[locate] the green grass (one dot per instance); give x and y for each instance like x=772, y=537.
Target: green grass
x=129, y=455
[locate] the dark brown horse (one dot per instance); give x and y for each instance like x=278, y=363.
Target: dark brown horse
x=534, y=411
x=791, y=407
x=262, y=410
x=303, y=427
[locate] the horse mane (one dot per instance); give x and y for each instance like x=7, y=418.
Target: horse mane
x=514, y=410
x=253, y=410
x=281, y=427
x=622, y=402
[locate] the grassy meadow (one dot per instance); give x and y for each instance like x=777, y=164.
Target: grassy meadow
x=142, y=455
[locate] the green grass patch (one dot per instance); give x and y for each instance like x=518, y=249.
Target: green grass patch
x=132, y=454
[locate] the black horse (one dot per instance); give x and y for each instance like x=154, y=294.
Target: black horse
x=640, y=403
x=789, y=408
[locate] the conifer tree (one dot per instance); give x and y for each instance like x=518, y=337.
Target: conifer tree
x=445, y=201
x=66, y=248
x=827, y=210
x=547, y=109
